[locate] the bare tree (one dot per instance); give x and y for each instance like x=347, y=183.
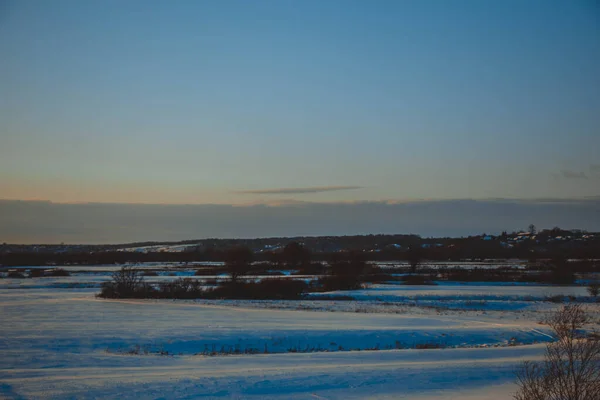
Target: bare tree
x=561, y=271
x=571, y=368
x=126, y=282
x=594, y=288
x=532, y=229
x=127, y=278
x=414, y=258
x=238, y=261
x=348, y=272
x=295, y=255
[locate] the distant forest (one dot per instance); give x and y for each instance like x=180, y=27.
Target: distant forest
x=529, y=245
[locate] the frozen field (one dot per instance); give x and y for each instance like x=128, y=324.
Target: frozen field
x=391, y=342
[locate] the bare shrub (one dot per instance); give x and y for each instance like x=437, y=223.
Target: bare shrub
x=182, y=288
x=571, y=368
x=127, y=278
x=126, y=283
x=594, y=289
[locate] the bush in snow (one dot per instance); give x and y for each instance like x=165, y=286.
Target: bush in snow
x=594, y=288
x=571, y=368
x=182, y=288
x=126, y=283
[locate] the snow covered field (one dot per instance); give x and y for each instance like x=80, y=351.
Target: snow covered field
x=393, y=341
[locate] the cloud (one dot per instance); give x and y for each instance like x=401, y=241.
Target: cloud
x=273, y=203
x=301, y=190
x=595, y=168
x=568, y=174
x=44, y=222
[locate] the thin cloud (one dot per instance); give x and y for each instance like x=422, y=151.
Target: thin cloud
x=315, y=189
x=273, y=203
x=568, y=174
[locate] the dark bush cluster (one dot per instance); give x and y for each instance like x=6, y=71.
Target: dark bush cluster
x=315, y=268
x=266, y=289
x=344, y=275
x=334, y=283
x=129, y=283
x=350, y=272
x=36, y=273
x=552, y=276
x=110, y=290
x=182, y=288
x=559, y=277
x=58, y=272
x=238, y=262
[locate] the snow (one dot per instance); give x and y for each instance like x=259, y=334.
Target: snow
x=382, y=375
x=478, y=291
x=65, y=343
x=460, y=297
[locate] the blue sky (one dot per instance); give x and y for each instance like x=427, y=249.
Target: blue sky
x=229, y=102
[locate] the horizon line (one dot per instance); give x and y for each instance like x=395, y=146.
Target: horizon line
x=293, y=202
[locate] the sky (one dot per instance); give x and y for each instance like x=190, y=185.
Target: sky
x=285, y=103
